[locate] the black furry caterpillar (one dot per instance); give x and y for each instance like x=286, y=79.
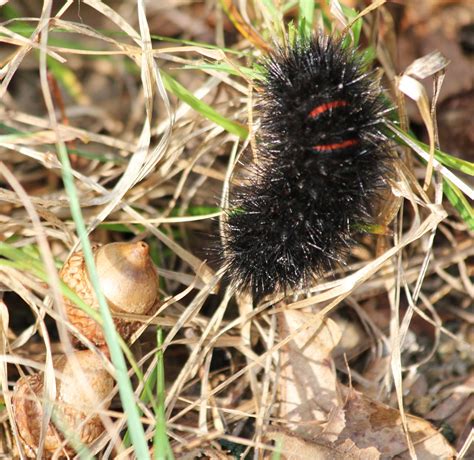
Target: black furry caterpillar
x=322, y=160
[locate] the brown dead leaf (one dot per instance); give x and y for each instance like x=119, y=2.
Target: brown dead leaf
x=321, y=426
x=372, y=424
x=308, y=388
x=297, y=448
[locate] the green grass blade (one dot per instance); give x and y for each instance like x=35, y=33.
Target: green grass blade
x=444, y=158
x=161, y=445
x=305, y=18
x=201, y=107
x=450, y=190
x=222, y=67
x=458, y=200
x=125, y=386
x=451, y=161
x=146, y=396
x=356, y=28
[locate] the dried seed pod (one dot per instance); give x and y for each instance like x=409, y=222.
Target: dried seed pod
x=127, y=278
x=83, y=388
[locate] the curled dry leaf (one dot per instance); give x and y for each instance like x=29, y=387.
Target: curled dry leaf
x=82, y=392
x=370, y=423
x=127, y=278
x=307, y=387
x=330, y=421
x=372, y=431
x=297, y=448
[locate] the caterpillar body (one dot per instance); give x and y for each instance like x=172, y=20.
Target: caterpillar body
x=322, y=161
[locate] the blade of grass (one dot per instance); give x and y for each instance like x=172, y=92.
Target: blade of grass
x=356, y=27
x=221, y=67
x=421, y=149
x=127, y=395
x=458, y=200
x=69, y=80
x=242, y=25
x=305, y=18
x=276, y=13
x=451, y=161
x=64, y=75
x=451, y=190
x=201, y=107
x=146, y=396
x=125, y=386
x=444, y=158
x=161, y=445
x=192, y=43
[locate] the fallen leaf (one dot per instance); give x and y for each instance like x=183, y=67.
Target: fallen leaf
x=307, y=387
x=292, y=447
x=372, y=424
x=325, y=420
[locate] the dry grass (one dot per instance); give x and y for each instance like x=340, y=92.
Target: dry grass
x=87, y=78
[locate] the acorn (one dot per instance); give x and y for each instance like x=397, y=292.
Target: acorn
x=127, y=278
x=80, y=396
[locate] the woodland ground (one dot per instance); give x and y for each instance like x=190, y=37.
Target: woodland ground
x=151, y=103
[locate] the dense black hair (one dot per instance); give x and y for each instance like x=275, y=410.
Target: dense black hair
x=322, y=162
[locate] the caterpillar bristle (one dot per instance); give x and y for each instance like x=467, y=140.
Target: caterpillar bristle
x=322, y=163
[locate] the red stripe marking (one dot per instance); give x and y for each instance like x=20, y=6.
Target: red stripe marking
x=318, y=110
x=340, y=145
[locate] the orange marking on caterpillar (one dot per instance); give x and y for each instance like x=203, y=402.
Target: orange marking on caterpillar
x=340, y=145
x=318, y=110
